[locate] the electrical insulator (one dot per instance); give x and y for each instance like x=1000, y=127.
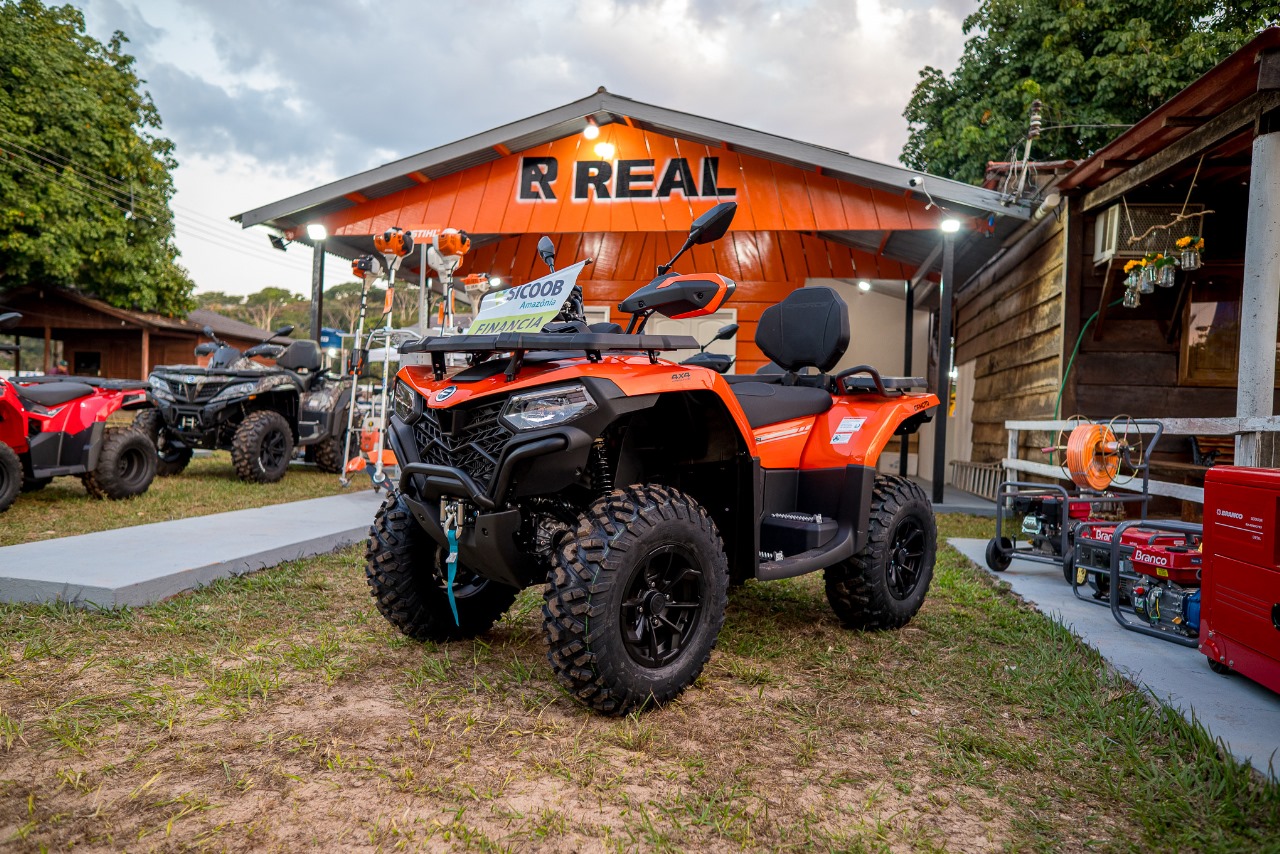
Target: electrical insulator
x=1034, y=132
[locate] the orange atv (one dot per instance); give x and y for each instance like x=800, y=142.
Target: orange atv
x=638, y=490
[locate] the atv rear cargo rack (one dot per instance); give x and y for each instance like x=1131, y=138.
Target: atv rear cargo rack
x=519, y=343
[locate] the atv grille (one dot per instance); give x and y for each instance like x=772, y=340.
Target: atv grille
x=470, y=439
x=199, y=391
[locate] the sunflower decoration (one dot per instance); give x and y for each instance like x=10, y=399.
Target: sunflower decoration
x=1190, y=246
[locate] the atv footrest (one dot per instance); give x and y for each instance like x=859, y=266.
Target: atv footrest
x=792, y=533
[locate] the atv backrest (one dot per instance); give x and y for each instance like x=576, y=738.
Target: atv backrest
x=301, y=355
x=810, y=328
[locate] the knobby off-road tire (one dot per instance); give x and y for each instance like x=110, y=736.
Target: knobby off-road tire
x=328, y=452
x=635, y=599
x=407, y=576
x=170, y=461
x=10, y=476
x=126, y=465
x=884, y=585
x=262, y=447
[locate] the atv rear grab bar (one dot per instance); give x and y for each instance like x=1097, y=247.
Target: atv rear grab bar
x=861, y=369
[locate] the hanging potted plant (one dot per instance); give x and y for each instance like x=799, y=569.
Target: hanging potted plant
x=1131, y=299
x=1191, y=247
x=1147, y=279
x=1133, y=272
x=1165, y=267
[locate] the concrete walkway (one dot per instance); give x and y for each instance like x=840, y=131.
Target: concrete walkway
x=147, y=563
x=1242, y=713
x=957, y=501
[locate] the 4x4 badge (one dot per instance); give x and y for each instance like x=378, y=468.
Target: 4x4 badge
x=445, y=393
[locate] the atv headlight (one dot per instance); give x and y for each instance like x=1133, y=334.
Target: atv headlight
x=548, y=407
x=234, y=390
x=406, y=402
x=160, y=388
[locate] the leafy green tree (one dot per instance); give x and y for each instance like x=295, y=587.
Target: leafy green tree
x=221, y=302
x=266, y=308
x=84, y=175
x=1094, y=64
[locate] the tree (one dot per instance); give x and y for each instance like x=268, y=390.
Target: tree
x=84, y=176
x=221, y=302
x=263, y=308
x=1094, y=64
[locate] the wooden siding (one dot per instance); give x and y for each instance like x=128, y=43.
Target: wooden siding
x=1009, y=321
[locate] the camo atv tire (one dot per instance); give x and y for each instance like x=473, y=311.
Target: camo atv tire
x=884, y=585
x=635, y=599
x=170, y=461
x=262, y=447
x=126, y=465
x=328, y=453
x=10, y=476
x=406, y=573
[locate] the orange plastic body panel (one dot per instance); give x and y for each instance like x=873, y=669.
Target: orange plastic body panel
x=829, y=440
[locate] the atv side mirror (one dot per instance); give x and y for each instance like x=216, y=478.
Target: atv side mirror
x=9, y=319
x=208, y=331
x=713, y=224
x=724, y=333
x=283, y=331
x=547, y=251
x=206, y=348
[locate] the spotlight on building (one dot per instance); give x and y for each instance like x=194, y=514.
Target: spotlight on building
x=950, y=226
x=591, y=131
x=317, y=231
x=605, y=150
x=278, y=242
x=864, y=286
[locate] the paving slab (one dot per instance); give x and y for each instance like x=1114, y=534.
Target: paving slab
x=147, y=563
x=1240, y=712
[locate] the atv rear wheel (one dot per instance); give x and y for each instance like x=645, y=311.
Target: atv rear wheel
x=10, y=476
x=126, y=465
x=406, y=573
x=635, y=599
x=262, y=447
x=171, y=460
x=883, y=586
x=35, y=484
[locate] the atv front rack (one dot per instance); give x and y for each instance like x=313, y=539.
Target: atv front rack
x=593, y=344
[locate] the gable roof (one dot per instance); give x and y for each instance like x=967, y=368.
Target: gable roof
x=604, y=108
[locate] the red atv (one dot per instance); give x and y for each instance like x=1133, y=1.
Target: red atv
x=638, y=490
x=55, y=426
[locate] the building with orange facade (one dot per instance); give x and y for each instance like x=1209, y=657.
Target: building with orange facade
x=619, y=181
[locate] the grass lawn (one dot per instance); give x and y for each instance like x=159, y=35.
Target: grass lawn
x=209, y=485
x=279, y=711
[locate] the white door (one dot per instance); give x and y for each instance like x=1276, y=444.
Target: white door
x=702, y=328
x=596, y=313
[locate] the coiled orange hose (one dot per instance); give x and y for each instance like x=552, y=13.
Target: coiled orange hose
x=1093, y=457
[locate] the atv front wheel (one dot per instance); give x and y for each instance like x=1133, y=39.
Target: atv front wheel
x=635, y=599
x=406, y=572
x=883, y=586
x=10, y=476
x=171, y=461
x=126, y=465
x=262, y=447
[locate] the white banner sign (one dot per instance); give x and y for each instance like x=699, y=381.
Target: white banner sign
x=528, y=307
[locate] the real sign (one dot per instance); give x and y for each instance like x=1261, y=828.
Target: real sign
x=540, y=179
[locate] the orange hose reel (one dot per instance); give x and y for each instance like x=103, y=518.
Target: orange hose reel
x=1093, y=456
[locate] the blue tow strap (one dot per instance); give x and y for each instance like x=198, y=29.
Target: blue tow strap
x=452, y=563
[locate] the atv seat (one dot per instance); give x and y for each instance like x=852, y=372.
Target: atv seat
x=808, y=329
x=301, y=355
x=765, y=403
x=52, y=394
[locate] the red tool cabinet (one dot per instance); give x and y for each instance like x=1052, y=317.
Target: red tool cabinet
x=1240, y=598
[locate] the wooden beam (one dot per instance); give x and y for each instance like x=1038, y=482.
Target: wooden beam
x=146, y=353
x=419, y=177
x=1119, y=164
x=501, y=149
x=1197, y=141
x=1184, y=121
x=1269, y=70
x=1104, y=304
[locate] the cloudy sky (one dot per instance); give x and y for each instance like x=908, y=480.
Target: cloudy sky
x=266, y=98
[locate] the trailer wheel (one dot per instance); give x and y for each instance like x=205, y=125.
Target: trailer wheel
x=262, y=446
x=883, y=586
x=1069, y=568
x=635, y=599
x=405, y=571
x=999, y=554
x=126, y=465
x=10, y=476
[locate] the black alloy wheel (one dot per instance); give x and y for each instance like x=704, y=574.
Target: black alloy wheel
x=906, y=558
x=262, y=446
x=662, y=606
x=275, y=450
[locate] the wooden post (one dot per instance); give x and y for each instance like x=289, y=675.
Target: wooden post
x=1260, y=303
x=946, y=296
x=906, y=368
x=48, y=349
x=146, y=353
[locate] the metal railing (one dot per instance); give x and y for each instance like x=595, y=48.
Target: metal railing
x=981, y=479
